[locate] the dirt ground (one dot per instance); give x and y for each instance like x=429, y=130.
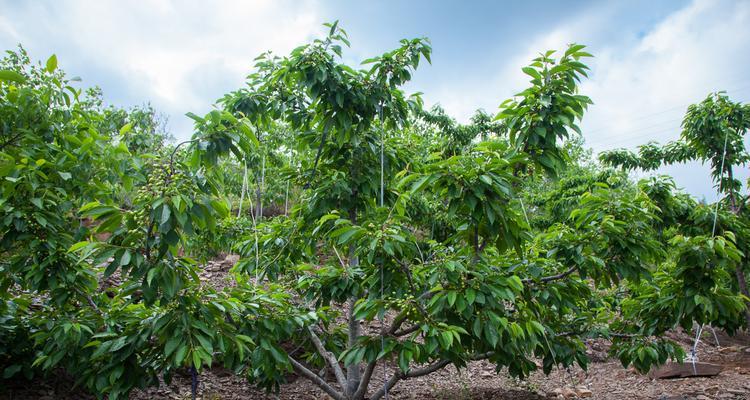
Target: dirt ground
x=605, y=379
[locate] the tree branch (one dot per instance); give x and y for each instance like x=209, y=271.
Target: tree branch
x=174, y=151
x=553, y=277
x=11, y=140
x=415, y=373
x=329, y=357
x=318, y=381
x=353, y=373
x=407, y=331
x=365, y=381
x=91, y=302
x=317, y=158
x=400, y=318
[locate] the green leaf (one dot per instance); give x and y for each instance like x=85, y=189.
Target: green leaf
x=196, y=360
x=419, y=184
x=404, y=357
x=52, y=63
x=12, y=76
x=165, y=213
x=126, y=128
x=12, y=370
x=181, y=353
x=344, y=233
x=171, y=345
x=471, y=294
x=125, y=259
x=194, y=117
x=77, y=246
x=451, y=298
x=531, y=72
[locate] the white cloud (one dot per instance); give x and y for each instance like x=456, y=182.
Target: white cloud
x=178, y=55
x=641, y=83
x=461, y=97
x=7, y=29
x=642, y=92
x=183, y=55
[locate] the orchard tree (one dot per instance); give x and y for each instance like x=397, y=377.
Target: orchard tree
x=713, y=131
x=396, y=253
x=113, y=303
x=490, y=288
x=545, y=114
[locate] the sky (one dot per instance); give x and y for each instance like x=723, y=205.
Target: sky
x=652, y=58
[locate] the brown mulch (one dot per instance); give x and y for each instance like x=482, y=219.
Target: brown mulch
x=605, y=378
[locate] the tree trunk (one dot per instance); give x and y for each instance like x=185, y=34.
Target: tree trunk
x=353, y=372
x=732, y=199
x=743, y=289
x=739, y=273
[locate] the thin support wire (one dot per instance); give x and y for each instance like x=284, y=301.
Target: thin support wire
x=382, y=273
x=693, y=357
x=286, y=196
x=255, y=232
x=721, y=174
x=716, y=338
x=262, y=186
x=693, y=351
x=242, y=191
x=524, y=212
x=286, y=199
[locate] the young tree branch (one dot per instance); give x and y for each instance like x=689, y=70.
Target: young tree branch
x=91, y=302
x=365, y=381
x=415, y=373
x=353, y=373
x=407, y=331
x=329, y=357
x=318, y=381
x=553, y=277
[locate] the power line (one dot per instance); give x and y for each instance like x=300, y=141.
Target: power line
x=656, y=125
x=651, y=115
x=603, y=140
x=631, y=138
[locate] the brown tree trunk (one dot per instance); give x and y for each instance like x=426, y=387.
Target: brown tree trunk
x=353, y=372
x=743, y=289
x=739, y=273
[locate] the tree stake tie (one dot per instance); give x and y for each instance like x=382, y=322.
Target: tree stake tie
x=693, y=351
x=693, y=356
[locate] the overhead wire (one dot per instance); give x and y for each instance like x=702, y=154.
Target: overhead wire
x=625, y=136
x=680, y=106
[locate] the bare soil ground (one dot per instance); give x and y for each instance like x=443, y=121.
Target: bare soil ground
x=605, y=378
